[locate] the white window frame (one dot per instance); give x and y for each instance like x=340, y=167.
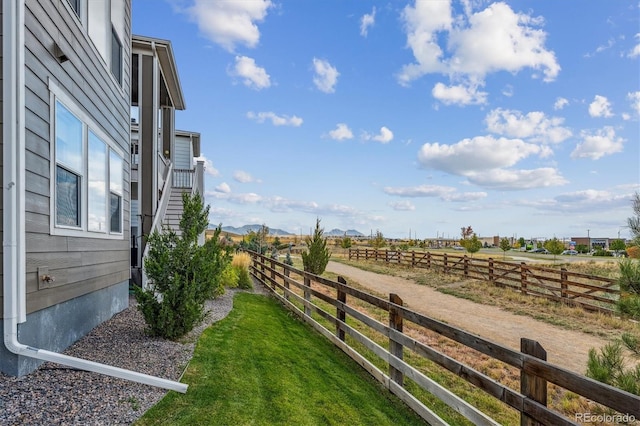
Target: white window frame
x=56, y=94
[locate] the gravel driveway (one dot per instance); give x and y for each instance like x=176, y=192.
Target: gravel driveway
x=565, y=348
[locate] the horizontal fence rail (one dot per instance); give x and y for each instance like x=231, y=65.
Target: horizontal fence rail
x=590, y=292
x=307, y=295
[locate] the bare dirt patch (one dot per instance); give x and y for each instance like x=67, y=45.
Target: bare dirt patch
x=566, y=348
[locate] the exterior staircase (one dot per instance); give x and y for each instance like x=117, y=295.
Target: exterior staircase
x=174, y=209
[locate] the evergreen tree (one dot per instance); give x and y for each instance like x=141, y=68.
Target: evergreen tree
x=317, y=255
x=182, y=274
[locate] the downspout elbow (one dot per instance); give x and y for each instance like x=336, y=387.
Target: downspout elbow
x=13, y=345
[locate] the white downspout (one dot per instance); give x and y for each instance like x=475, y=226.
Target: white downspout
x=14, y=257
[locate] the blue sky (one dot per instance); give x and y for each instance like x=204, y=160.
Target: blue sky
x=516, y=118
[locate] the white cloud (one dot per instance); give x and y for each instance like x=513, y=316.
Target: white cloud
x=634, y=98
x=446, y=193
x=460, y=94
x=600, y=107
x=491, y=40
x=276, y=120
x=481, y=153
x=253, y=76
x=560, y=103
x=244, y=177
x=341, y=132
x=223, y=188
x=465, y=196
x=534, y=126
x=385, y=136
x=367, y=21
x=403, y=205
x=326, y=75
x=228, y=22
x=517, y=179
x=588, y=200
x=208, y=166
x=597, y=145
x=419, y=191
x=488, y=162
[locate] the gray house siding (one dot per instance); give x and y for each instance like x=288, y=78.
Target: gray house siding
x=91, y=274
x=183, y=154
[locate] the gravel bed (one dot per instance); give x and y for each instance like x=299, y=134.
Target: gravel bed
x=57, y=395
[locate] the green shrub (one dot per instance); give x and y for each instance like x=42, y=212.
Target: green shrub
x=629, y=276
x=182, y=275
x=629, y=305
x=244, y=278
x=229, y=277
x=288, y=260
x=602, y=252
x=609, y=366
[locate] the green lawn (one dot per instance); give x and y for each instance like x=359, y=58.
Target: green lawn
x=262, y=366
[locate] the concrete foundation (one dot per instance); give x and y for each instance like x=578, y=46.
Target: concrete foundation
x=58, y=327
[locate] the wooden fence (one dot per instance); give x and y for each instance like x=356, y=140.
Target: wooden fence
x=590, y=292
x=303, y=293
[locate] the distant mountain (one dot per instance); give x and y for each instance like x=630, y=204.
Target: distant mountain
x=340, y=233
x=243, y=230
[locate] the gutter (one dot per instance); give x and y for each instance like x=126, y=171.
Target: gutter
x=13, y=192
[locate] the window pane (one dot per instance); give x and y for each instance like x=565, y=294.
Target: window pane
x=67, y=197
x=68, y=138
x=116, y=166
x=116, y=56
x=116, y=213
x=75, y=5
x=97, y=177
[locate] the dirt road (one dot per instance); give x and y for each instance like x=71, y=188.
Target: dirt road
x=565, y=348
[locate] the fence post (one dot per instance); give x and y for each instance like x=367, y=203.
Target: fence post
x=286, y=282
x=395, y=348
x=307, y=295
x=413, y=258
x=428, y=260
x=564, y=286
x=491, y=277
x=523, y=278
x=340, y=313
x=444, y=263
x=531, y=386
x=273, y=274
x=465, y=262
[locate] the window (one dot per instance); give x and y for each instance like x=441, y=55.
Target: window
x=104, y=22
x=87, y=176
x=116, y=56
